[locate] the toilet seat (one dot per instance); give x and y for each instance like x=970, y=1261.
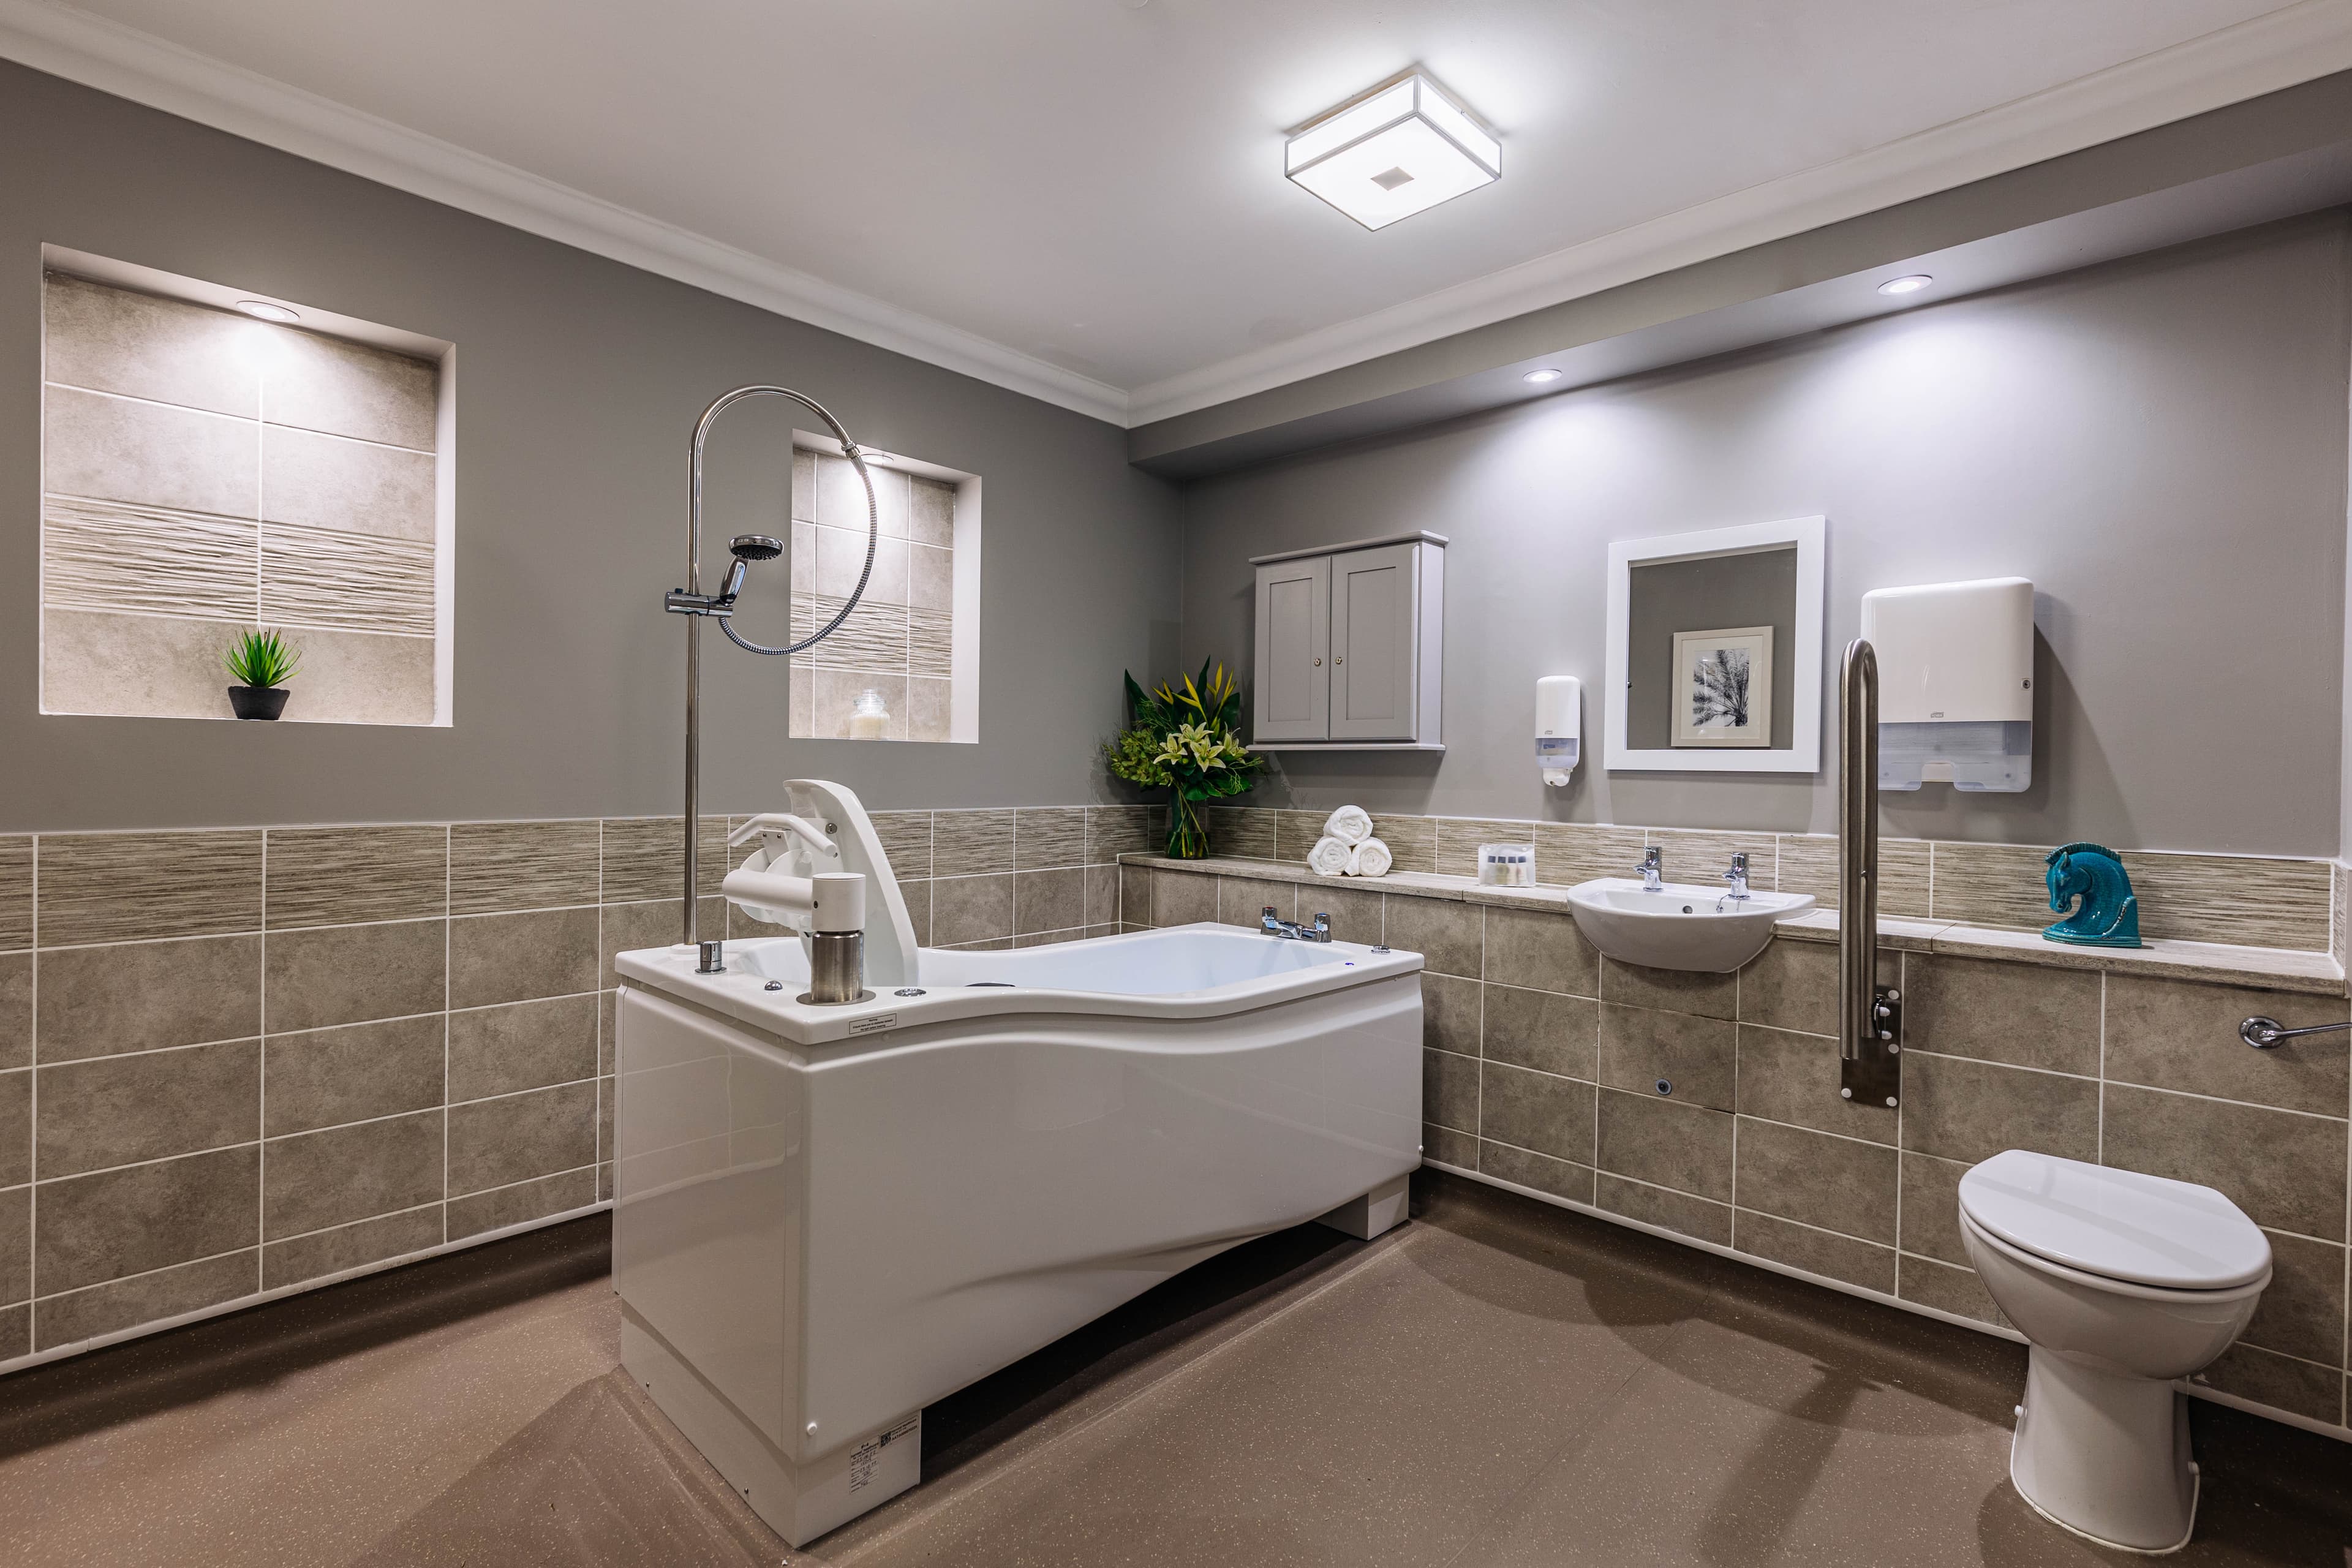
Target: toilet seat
x=2117, y=1226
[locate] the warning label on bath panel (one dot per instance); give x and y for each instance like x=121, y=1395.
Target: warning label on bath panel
x=868, y=1454
x=874, y=1026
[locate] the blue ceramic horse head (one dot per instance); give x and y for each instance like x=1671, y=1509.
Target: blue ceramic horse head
x=2108, y=912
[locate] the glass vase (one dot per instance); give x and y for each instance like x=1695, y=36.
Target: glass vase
x=1188, y=827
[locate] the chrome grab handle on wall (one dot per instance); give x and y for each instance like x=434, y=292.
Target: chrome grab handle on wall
x=2263, y=1034
x=1869, y=1020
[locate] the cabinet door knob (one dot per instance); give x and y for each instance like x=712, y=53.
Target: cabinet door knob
x=1341, y=659
x=1319, y=661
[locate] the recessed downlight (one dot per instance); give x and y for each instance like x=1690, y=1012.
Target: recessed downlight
x=1910, y=285
x=263, y=310
x=1542, y=377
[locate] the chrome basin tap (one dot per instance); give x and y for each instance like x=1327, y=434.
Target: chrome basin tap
x=1292, y=931
x=1653, y=869
x=1737, y=875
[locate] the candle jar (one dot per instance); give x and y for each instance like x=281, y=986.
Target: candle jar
x=869, y=717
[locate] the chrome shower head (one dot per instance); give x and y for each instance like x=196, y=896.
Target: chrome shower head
x=755, y=547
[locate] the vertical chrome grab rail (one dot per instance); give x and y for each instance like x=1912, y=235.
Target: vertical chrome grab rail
x=1869, y=1017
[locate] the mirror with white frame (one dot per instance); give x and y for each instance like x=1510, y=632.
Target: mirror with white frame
x=1715, y=650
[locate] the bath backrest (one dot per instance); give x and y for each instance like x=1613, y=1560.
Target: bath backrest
x=891, y=956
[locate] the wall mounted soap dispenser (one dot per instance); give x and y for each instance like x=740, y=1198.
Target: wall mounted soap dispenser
x=1560, y=723
x=1956, y=683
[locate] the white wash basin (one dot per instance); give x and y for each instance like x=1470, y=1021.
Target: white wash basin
x=1677, y=926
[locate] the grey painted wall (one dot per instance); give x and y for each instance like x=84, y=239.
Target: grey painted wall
x=578, y=384
x=2159, y=444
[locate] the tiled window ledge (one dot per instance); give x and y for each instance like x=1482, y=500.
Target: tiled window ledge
x=2274, y=969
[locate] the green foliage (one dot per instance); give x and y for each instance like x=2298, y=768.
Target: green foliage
x=261, y=658
x=1185, y=739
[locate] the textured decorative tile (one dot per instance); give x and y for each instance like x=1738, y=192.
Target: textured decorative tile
x=1049, y=836
x=2240, y=900
x=354, y=1245
x=1413, y=840
x=344, y=876
x=1296, y=833
x=906, y=838
x=324, y=1078
x=521, y=1203
x=644, y=857
x=1241, y=832
x=930, y=642
x=316, y=577
x=494, y=867
x=105, y=886
x=117, y=1109
x=498, y=1142
x=1808, y=864
x=1815, y=1251
x=346, y=1174
x=318, y=382
x=1116, y=830
x=101, y=555
x=167, y=351
x=354, y=489
x=873, y=637
x=15, y=892
x=1836, y=1184
x=1567, y=853
x=126, y=1303
x=967, y=842
x=127, y=1221
x=1991, y=885
x=1458, y=838
x=115, y=448
x=1700, y=859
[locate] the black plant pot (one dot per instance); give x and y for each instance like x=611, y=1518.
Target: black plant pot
x=257, y=702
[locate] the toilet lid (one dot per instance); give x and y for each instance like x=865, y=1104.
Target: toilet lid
x=2121, y=1224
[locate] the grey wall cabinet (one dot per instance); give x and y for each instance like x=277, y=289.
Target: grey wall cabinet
x=1350, y=645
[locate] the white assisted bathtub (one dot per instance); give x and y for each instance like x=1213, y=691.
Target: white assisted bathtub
x=828, y=1217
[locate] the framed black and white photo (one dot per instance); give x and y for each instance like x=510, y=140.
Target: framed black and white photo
x=1723, y=688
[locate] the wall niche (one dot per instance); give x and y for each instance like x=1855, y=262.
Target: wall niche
x=212, y=461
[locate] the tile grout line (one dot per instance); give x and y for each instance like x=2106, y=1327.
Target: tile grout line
x=261, y=1069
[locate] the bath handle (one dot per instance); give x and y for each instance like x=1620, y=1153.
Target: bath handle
x=2263, y=1034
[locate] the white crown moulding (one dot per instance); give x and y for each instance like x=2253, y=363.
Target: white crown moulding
x=2265, y=53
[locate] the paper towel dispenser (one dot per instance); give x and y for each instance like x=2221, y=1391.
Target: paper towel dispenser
x=1955, y=683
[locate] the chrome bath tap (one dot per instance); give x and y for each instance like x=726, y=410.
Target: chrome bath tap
x=1292, y=931
x=1653, y=869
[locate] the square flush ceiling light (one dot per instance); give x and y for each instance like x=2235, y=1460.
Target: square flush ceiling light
x=1399, y=149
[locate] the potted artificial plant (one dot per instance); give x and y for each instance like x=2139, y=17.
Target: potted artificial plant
x=261, y=662
x=1185, y=743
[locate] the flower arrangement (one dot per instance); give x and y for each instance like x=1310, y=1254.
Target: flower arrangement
x=1185, y=742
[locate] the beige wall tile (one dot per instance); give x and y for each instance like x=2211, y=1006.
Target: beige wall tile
x=1794, y=1079
x=2268, y=1378
x=1524, y=1167
x=1536, y=1110
x=1444, y=1146
x=320, y=383
x=1449, y=1090
x=967, y=842
x=147, y=667
x=1049, y=836
x=345, y=1173
x=1931, y=1207
x=16, y=1127
x=350, y=974
x=137, y=996
x=930, y=577
x=930, y=709
x=16, y=1010
x=1836, y=1184
x=323, y=1078
x=1356, y=913
x=2301, y=1309
x=521, y=1045
x=1666, y=1144
x=1667, y=1210
x=344, y=876
x=657, y=922
x=2173, y=1034
x=2015, y=1013
x=110, y=1308
x=1049, y=900
x=495, y=867
x=1815, y=1251
x=112, y=339
x=1945, y=1289
x=1640, y=1048
x=101, y=887
x=931, y=511
x=117, y=1109
x=1542, y=1030
x=1670, y=990
x=520, y=957
x=359, y=678
x=1540, y=951
x=1971, y=1110
x=350, y=487
x=1450, y=1011
x=2285, y=1171
x=1791, y=985
x=972, y=908
x=1102, y=895
x=16, y=1246
x=841, y=556
x=1447, y=935
x=324, y=1252
x=116, y=450
x=89, y=1229
x=1244, y=900
x=524, y=1201
x=498, y=1142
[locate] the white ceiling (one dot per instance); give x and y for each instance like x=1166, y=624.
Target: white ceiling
x=1096, y=185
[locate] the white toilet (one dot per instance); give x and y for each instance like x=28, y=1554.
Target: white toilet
x=2121, y=1283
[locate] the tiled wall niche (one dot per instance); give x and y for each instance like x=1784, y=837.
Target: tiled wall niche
x=914, y=636
x=321, y=1049
x=205, y=472
x=1542, y=1063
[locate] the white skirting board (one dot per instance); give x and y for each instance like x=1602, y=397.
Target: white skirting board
x=799, y=1501
x=1997, y=1331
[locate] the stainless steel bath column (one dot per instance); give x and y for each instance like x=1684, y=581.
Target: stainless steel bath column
x=1869, y=1019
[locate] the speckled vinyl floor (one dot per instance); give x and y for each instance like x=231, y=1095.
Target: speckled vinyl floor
x=1497, y=1383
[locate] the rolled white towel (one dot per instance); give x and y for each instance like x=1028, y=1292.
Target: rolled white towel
x=1328, y=858
x=1349, y=824
x=1370, y=858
